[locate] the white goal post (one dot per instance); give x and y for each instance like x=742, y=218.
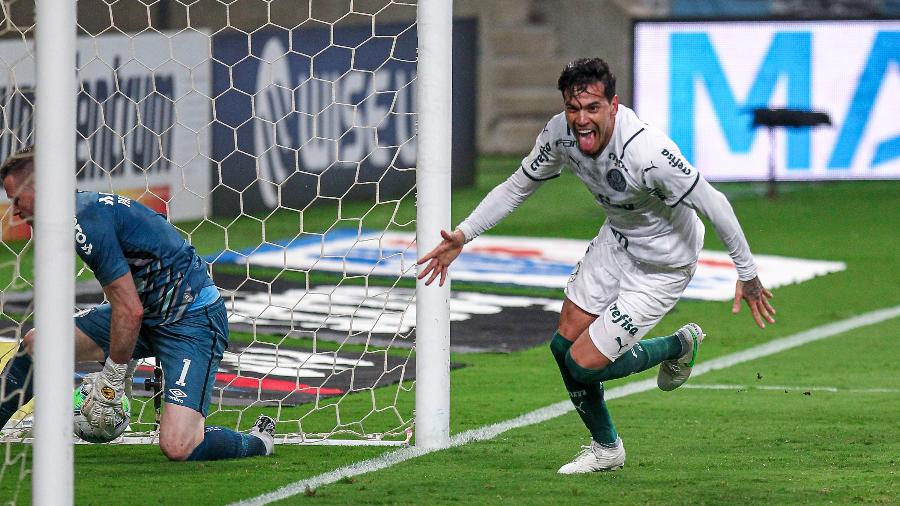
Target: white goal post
x=340, y=115
x=54, y=255
x=433, y=213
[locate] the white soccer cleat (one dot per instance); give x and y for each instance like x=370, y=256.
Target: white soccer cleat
x=673, y=373
x=264, y=429
x=595, y=457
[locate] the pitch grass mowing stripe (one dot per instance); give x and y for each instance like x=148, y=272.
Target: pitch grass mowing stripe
x=561, y=408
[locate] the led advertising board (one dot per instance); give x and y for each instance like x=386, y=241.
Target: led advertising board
x=701, y=81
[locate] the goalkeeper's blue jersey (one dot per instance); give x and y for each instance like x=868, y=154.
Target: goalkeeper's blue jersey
x=115, y=235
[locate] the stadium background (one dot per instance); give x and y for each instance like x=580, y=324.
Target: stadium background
x=802, y=446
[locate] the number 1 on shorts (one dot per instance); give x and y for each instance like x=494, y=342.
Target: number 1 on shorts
x=184, y=370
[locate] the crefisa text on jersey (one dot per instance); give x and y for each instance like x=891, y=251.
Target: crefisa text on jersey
x=675, y=161
x=541, y=157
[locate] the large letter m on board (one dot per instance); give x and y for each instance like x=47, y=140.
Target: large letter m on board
x=692, y=56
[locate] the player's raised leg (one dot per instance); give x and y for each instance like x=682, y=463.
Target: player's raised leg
x=612, y=347
x=589, y=358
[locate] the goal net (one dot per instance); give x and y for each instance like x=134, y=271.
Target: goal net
x=280, y=138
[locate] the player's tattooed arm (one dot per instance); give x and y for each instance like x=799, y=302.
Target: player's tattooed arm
x=757, y=297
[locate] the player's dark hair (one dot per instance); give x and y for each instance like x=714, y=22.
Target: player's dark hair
x=17, y=162
x=581, y=73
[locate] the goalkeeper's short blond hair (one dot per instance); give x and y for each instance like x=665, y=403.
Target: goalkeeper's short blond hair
x=21, y=159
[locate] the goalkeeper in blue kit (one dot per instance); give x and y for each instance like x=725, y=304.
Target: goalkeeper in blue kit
x=160, y=302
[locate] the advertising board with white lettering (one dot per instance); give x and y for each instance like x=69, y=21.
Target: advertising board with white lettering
x=322, y=112
x=142, y=117
x=701, y=81
x=523, y=261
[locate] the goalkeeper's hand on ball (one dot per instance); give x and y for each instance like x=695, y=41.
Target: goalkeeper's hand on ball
x=103, y=407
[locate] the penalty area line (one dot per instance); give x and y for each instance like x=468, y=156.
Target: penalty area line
x=555, y=410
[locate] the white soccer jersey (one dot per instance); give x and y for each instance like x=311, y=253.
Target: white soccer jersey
x=649, y=191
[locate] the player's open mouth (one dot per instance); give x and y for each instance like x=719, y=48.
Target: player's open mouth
x=587, y=140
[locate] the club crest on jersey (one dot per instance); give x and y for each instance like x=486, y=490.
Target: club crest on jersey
x=616, y=180
x=623, y=319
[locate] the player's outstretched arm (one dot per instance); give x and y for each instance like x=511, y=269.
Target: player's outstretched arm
x=440, y=258
x=715, y=206
x=757, y=297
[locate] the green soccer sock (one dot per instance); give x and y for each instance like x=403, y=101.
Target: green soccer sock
x=644, y=355
x=587, y=398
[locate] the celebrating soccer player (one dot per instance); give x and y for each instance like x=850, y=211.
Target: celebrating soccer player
x=637, y=266
x=161, y=302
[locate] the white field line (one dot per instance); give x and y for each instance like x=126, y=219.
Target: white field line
x=720, y=386
x=554, y=410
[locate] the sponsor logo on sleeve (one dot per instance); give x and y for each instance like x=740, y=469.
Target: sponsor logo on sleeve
x=676, y=161
x=81, y=239
x=542, y=157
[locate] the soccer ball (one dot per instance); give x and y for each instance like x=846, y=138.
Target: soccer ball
x=103, y=434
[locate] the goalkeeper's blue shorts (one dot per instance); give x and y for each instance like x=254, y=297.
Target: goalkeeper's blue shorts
x=189, y=349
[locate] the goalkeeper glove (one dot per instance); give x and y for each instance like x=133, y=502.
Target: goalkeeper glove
x=103, y=407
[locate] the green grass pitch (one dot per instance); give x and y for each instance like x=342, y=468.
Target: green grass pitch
x=773, y=436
